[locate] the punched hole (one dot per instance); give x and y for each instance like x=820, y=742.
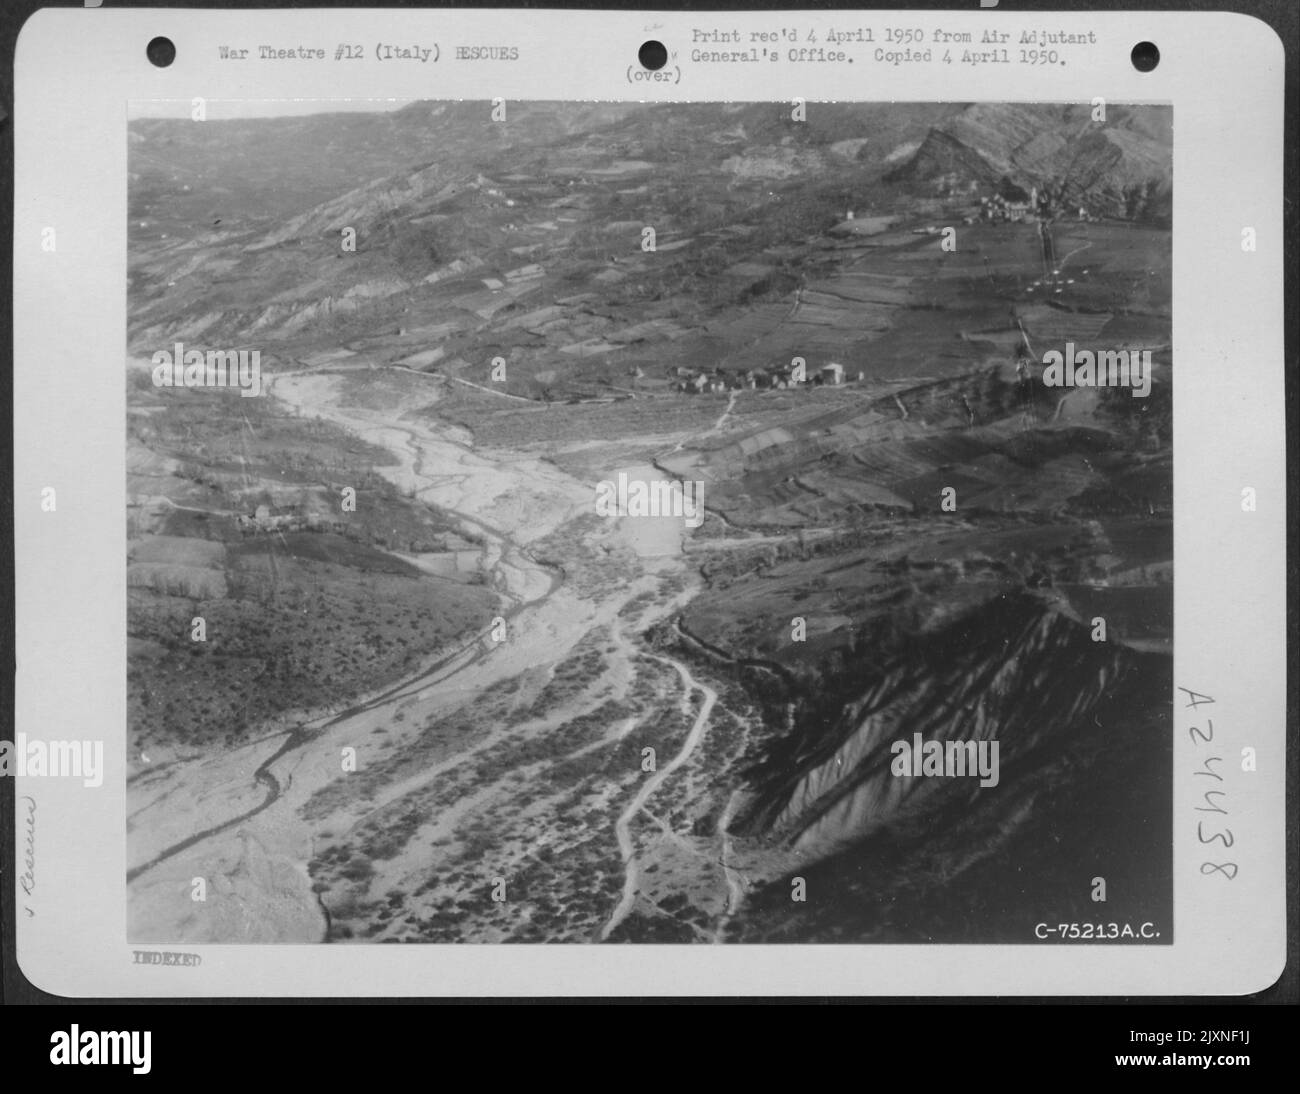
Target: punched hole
x=652, y=55
x=160, y=52
x=1145, y=56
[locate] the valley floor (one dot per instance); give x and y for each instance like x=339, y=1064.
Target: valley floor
x=553, y=778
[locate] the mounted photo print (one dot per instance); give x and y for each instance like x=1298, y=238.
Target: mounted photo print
x=649, y=503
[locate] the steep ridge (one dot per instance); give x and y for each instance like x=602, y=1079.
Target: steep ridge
x=1106, y=164
x=941, y=154
x=1083, y=798
x=1016, y=671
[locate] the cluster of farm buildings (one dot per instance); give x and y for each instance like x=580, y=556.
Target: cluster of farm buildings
x=1009, y=203
x=1013, y=203
x=287, y=518
x=698, y=381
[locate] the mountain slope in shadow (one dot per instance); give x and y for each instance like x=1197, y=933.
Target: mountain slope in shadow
x=1082, y=792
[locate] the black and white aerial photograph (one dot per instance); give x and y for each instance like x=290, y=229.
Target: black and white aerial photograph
x=574, y=522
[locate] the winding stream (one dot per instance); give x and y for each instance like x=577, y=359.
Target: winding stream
x=538, y=625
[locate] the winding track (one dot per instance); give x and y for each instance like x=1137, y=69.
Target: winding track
x=622, y=827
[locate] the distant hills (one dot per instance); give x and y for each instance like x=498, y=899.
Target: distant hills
x=235, y=226
x=269, y=167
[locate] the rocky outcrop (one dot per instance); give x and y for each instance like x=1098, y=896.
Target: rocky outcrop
x=1119, y=166
x=943, y=154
